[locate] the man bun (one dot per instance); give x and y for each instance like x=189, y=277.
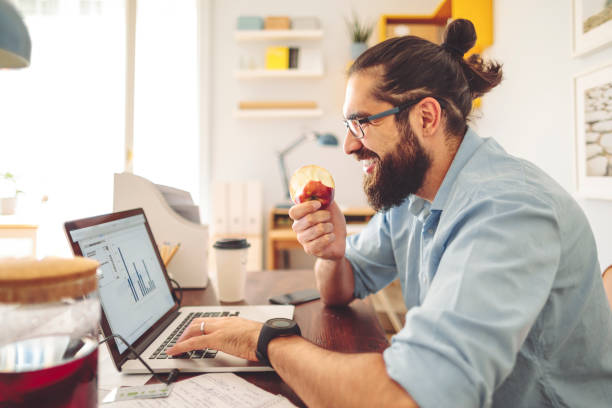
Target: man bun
x=460, y=35
x=481, y=75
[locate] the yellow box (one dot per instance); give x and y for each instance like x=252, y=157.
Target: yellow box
x=277, y=58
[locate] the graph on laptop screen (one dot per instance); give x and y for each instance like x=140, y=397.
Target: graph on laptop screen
x=130, y=279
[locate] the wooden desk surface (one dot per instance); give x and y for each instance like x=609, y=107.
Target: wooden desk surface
x=348, y=329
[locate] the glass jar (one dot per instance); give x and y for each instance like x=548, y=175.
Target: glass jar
x=49, y=316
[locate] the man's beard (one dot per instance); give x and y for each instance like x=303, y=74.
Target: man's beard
x=396, y=176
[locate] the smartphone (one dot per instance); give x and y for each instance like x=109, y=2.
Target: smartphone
x=295, y=298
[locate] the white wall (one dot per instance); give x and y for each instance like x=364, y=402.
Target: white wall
x=245, y=148
x=531, y=113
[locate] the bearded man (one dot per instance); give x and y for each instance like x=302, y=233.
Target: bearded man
x=497, y=263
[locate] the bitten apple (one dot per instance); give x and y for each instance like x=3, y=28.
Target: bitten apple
x=312, y=183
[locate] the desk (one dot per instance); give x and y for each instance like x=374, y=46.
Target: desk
x=19, y=237
x=281, y=237
x=348, y=329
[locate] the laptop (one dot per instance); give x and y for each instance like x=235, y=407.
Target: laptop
x=137, y=302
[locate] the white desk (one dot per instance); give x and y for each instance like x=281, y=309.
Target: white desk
x=17, y=237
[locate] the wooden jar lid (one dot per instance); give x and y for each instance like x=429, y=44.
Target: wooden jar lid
x=27, y=280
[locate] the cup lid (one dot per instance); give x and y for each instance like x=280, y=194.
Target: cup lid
x=231, y=243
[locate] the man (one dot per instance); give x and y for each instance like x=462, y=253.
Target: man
x=497, y=263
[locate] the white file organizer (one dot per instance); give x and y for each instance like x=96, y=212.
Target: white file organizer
x=189, y=266
x=237, y=208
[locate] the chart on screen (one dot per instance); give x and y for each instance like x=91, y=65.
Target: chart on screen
x=130, y=278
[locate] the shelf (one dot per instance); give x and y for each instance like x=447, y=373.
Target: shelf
x=277, y=113
x=276, y=73
x=265, y=35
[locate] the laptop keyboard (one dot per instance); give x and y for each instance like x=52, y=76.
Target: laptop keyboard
x=170, y=341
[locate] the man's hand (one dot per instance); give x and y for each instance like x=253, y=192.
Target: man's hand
x=232, y=335
x=322, y=233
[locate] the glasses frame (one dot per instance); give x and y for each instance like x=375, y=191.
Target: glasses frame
x=393, y=111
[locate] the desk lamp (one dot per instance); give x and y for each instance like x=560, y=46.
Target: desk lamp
x=323, y=139
x=15, y=45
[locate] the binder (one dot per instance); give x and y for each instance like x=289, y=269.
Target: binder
x=236, y=208
x=220, y=208
x=254, y=208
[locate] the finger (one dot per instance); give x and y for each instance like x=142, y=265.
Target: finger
x=300, y=210
x=311, y=219
x=194, y=343
x=315, y=232
x=319, y=245
x=194, y=328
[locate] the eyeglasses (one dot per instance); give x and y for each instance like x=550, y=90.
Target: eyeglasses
x=355, y=125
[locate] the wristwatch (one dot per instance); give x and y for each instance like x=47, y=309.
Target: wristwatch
x=273, y=328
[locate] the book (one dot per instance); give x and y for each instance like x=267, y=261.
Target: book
x=293, y=57
x=277, y=57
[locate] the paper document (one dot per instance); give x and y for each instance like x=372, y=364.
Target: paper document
x=218, y=390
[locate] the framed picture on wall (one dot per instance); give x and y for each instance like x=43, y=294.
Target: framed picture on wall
x=593, y=118
x=592, y=25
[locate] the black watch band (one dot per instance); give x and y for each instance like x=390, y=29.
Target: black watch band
x=273, y=328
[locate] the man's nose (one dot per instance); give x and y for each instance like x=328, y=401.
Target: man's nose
x=351, y=143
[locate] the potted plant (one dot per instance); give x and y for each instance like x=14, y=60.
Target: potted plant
x=8, y=193
x=360, y=32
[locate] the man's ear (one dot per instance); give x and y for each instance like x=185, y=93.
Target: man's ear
x=430, y=115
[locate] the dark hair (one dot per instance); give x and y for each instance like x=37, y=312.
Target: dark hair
x=413, y=67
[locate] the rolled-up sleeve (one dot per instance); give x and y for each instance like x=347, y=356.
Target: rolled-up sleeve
x=493, y=279
x=371, y=256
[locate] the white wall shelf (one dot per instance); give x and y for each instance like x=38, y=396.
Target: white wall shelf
x=277, y=113
x=266, y=35
x=277, y=73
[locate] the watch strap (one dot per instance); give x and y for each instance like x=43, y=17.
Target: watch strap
x=267, y=334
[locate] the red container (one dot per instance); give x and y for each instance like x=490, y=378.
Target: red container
x=49, y=316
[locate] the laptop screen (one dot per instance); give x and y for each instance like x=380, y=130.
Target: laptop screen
x=133, y=289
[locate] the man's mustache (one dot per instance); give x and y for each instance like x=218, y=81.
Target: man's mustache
x=365, y=154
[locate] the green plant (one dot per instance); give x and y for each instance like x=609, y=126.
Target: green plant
x=360, y=31
x=9, y=183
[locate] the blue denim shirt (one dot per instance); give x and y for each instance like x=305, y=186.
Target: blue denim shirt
x=504, y=290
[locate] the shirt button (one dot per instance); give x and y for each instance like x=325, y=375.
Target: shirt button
x=430, y=231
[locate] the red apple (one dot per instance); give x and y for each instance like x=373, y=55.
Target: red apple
x=312, y=183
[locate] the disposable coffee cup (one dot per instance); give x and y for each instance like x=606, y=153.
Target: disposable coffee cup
x=231, y=255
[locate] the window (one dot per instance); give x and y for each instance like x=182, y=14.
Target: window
x=62, y=118
x=166, y=138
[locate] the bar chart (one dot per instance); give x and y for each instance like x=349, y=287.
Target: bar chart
x=135, y=279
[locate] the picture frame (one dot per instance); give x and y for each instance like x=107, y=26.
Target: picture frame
x=592, y=26
x=593, y=122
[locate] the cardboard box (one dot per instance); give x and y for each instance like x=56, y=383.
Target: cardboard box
x=277, y=23
x=305, y=23
x=250, y=23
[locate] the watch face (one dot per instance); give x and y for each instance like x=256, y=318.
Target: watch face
x=281, y=323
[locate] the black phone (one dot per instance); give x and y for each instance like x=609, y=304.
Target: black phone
x=295, y=298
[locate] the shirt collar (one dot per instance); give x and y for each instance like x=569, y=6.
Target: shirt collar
x=470, y=143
